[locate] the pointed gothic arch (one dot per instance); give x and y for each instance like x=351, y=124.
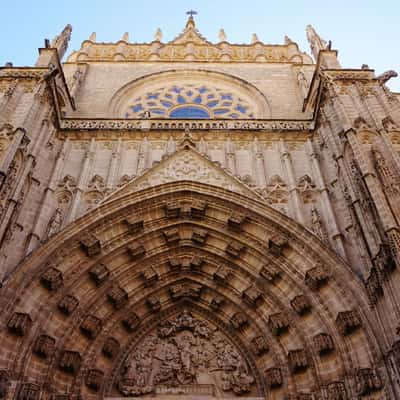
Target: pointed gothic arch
x=292, y=307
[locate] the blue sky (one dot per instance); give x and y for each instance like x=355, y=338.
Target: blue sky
x=364, y=31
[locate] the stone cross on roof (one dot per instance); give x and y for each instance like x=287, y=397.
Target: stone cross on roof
x=191, y=13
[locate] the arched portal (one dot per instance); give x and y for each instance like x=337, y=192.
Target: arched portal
x=187, y=288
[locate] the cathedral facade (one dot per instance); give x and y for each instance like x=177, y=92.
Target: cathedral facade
x=189, y=219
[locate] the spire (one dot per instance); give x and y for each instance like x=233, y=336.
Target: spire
x=190, y=22
x=61, y=41
x=125, y=37
x=316, y=42
x=158, y=35
x=222, y=36
x=92, y=37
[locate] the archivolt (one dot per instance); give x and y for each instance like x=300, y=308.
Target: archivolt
x=271, y=260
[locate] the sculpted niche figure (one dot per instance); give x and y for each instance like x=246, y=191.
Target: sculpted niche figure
x=185, y=352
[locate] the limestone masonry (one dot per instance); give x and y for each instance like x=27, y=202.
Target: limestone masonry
x=197, y=220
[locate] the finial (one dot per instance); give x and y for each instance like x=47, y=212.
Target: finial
x=8, y=64
x=254, y=38
x=288, y=40
x=61, y=41
x=92, y=37
x=222, y=36
x=316, y=42
x=158, y=35
x=125, y=37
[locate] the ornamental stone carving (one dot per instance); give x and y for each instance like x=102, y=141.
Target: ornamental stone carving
x=174, y=263
x=136, y=251
x=323, y=343
x=70, y=362
x=44, y=346
x=222, y=275
x=134, y=225
x=153, y=303
x=301, y=304
x=235, y=249
x=199, y=236
x=94, y=379
x=348, y=322
x=239, y=320
x=217, y=302
x=273, y=377
x=278, y=323
x=29, y=391
x=236, y=221
x=277, y=243
x=99, y=273
x=131, y=322
x=368, y=381
x=68, y=304
x=110, y=348
x=336, y=391
x=185, y=351
x=90, y=244
x=186, y=290
x=149, y=276
x=117, y=296
x=316, y=277
x=252, y=296
x=270, y=273
x=19, y=324
x=52, y=279
x=259, y=345
x=91, y=326
x=297, y=360
x=171, y=236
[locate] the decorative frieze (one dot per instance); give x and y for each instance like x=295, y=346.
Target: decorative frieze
x=52, y=279
x=91, y=326
x=323, y=343
x=94, y=379
x=68, y=304
x=149, y=276
x=131, y=322
x=252, y=296
x=90, y=244
x=273, y=378
x=199, y=236
x=235, y=249
x=348, y=321
x=316, y=277
x=44, y=346
x=239, y=320
x=301, y=304
x=153, y=303
x=236, y=221
x=117, y=296
x=99, y=273
x=28, y=391
x=278, y=323
x=277, y=243
x=259, y=345
x=136, y=251
x=171, y=236
x=368, y=381
x=110, y=347
x=270, y=273
x=70, y=362
x=19, y=324
x=134, y=225
x=297, y=360
x=222, y=275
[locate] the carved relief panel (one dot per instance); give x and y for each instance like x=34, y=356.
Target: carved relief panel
x=188, y=353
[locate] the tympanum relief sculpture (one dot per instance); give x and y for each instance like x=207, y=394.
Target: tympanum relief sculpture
x=185, y=353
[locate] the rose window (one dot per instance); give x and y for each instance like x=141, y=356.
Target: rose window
x=190, y=101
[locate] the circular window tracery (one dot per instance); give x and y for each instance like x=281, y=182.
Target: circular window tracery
x=188, y=101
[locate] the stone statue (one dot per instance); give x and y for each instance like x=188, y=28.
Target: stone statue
x=254, y=38
x=158, y=35
x=316, y=42
x=222, y=36
x=55, y=222
x=185, y=351
x=60, y=42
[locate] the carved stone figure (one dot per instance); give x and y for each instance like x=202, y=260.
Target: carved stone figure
x=60, y=42
x=185, y=351
x=55, y=222
x=316, y=42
